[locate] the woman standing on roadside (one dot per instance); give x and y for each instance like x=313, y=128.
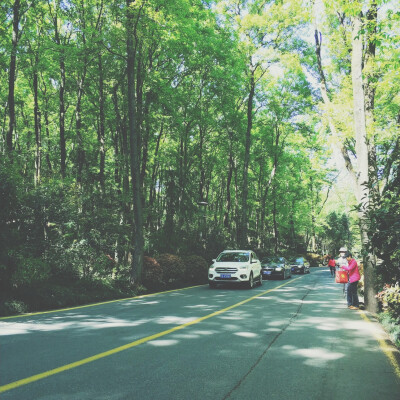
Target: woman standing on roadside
x=354, y=276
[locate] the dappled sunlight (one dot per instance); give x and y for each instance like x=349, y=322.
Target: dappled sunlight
x=52, y=326
x=315, y=356
x=325, y=323
x=177, y=293
x=278, y=322
x=229, y=317
x=203, y=307
x=186, y=336
x=204, y=332
x=234, y=315
x=266, y=298
x=163, y=343
x=170, y=319
x=246, y=334
x=231, y=327
x=136, y=302
x=273, y=330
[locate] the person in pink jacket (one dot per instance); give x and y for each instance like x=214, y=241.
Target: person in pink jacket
x=354, y=276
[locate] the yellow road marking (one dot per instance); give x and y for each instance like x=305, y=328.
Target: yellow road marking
x=34, y=378
x=94, y=304
x=388, y=349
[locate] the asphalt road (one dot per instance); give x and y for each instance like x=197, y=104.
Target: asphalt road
x=292, y=339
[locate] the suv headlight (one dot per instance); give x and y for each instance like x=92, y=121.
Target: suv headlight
x=278, y=269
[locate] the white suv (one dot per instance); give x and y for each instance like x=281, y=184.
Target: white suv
x=235, y=266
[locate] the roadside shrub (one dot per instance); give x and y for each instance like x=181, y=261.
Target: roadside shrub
x=30, y=269
x=12, y=307
x=153, y=278
x=314, y=259
x=196, y=269
x=389, y=298
x=50, y=295
x=391, y=326
x=173, y=270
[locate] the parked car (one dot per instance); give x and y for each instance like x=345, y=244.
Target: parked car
x=235, y=266
x=275, y=267
x=299, y=265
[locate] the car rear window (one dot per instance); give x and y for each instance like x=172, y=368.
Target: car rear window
x=272, y=260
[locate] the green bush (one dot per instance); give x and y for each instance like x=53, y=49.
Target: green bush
x=391, y=326
x=12, y=307
x=50, y=295
x=30, y=269
x=196, y=269
x=314, y=259
x=173, y=270
x=153, y=278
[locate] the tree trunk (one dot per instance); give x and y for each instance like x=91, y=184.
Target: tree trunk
x=102, y=150
x=63, y=151
x=38, y=135
x=242, y=234
x=362, y=189
x=137, y=261
x=11, y=78
x=78, y=123
x=370, y=78
x=276, y=231
x=61, y=91
x=228, y=183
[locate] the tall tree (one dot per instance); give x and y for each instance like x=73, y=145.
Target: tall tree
x=137, y=263
x=11, y=75
x=61, y=42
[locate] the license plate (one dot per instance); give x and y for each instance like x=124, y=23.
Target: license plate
x=267, y=272
x=225, y=275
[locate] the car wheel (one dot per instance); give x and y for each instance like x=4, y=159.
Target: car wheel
x=260, y=279
x=250, y=283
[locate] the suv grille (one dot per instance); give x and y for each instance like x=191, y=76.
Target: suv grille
x=230, y=270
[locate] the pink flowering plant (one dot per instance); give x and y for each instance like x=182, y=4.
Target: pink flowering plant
x=390, y=300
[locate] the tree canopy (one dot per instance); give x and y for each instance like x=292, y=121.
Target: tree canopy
x=132, y=128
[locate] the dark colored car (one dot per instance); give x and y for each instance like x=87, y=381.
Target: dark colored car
x=272, y=267
x=299, y=265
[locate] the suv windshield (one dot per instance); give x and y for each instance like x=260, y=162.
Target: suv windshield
x=298, y=260
x=235, y=257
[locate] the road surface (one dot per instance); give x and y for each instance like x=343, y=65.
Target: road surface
x=292, y=339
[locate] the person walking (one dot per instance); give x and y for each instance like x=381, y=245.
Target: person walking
x=354, y=276
x=332, y=264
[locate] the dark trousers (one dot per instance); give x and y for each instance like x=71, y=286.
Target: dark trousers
x=352, y=296
x=333, y=269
